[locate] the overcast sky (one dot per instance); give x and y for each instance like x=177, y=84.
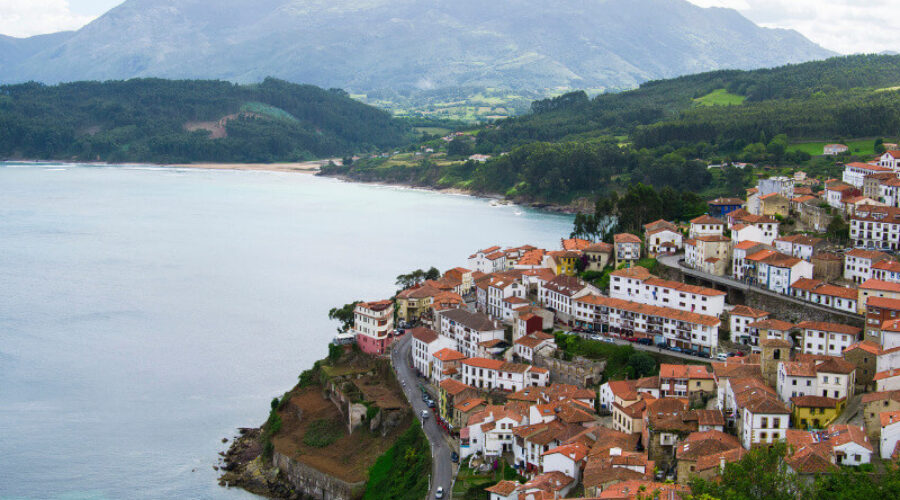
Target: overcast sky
x=845, y=26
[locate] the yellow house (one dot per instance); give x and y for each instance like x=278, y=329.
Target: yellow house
x=815, y=412
x=774, y=204
x=450, y=393
x=564, y=262
x=413, y=302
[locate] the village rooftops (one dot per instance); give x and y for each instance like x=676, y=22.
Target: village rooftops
x=475, y=321
x=865, y=345
x=684, y=372
x=449, y=355
x=576, y=244
x=469, y=404
x=659, y=226
x=748, y=312
x=453, y=387
x=800, y=239
x=566, y=285
x=868, y=166
x=726, y=202
x=490, y=364
x=821, y=288
x=599, y=248
x=859, y=253
x=814, y=402
x=708, y=220
x=634, y=272
x=829, y=327
x=874, y=284
x=503, y=489
x=748, y=245
x=662, y=312
x=424, y=334
x=626, y=238
x=379, y=305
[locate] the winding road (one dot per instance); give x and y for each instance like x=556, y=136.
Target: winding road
x=442, y=466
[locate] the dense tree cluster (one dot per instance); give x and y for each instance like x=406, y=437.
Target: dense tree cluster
x=145, y=120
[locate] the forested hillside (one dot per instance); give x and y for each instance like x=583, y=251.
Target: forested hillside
x=666, y=133
x=813, y=99
x=182, y=121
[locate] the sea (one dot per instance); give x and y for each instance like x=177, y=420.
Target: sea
x=148, y=312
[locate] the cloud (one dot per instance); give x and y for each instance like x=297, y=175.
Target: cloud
x=23, y=18
x=846, y=26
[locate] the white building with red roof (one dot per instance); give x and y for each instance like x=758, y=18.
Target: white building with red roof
x=875, y=228
x=799, y=245
x=662, y=238
x=890, y=434
x=490, y=374
x=858, y=264
x=776, y=271
x=568, y=459
x=425, y=343
x=638, y=285
x=855, y=173
x=739, y=319
x=488, y=260
x=830, y=339
x=890, y=159
x=706, y=225
x=819, y=292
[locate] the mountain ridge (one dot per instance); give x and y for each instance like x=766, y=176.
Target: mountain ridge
x=412, y=45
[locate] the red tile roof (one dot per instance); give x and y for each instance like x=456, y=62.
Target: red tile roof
x=829, y=327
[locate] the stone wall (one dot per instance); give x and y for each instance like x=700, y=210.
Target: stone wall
x=580, y=371
x=315, y=484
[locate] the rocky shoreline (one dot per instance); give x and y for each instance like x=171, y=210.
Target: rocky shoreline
x=243, y=466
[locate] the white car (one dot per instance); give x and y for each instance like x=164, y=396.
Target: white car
x=439, y=493
x=722, y=356
x=424, y=414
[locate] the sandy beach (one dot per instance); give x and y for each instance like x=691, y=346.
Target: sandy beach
x=309, y=167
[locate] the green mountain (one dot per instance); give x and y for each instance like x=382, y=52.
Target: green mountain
x=666, y=132
x=182, y=121
x=409, y=46
x=841, y=96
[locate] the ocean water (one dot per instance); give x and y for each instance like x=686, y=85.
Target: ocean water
x=145, y=313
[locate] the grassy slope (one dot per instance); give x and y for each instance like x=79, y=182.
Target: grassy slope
x=720, y=97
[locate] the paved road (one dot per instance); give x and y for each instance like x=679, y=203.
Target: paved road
x=442, y=468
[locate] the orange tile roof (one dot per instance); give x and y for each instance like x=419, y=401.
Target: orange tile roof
x=749, y=312
x=874, y=284
x=859, y=253
x=424, y=334
x=626, y=238
x=747, y=244
x=814, y=402
x=636, y=272
x=684, y=287
x=490, y=364
x=887, y=374
x=576, y=244
x=574, y=451
x=446, y=354
x=772, y=324
x=707, y=219
x=684, y=371
x=503, y=488
x=663, y=312
x=469, y=404
x=829, y=327
x=453, y=387
x=865, y=345
x=884, y=303
x=889, y=418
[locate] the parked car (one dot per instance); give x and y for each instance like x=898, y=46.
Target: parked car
x=631, y=339
x=607, y=340
x=645, y=341
x=439, y=493
x=424, y=414
x=454, y=457
x=722, y=356
x=662, y=345
x=430, y=403
x=690, y=352
x=675, y=348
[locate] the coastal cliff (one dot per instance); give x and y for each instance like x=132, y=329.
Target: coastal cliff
x=322, y=438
